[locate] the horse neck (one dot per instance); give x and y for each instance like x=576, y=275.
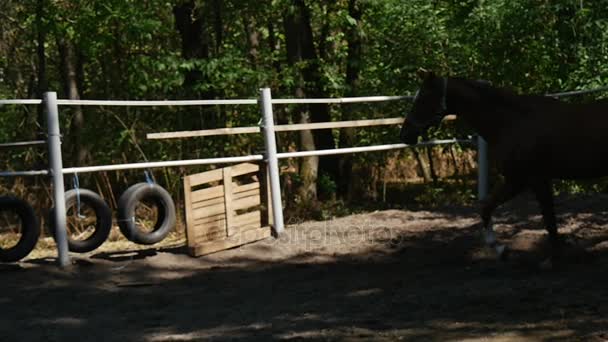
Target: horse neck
x=485, y=116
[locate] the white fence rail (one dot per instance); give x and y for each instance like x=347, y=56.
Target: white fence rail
x=268, y=129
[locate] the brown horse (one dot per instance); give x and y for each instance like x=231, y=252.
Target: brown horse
x=534, y=139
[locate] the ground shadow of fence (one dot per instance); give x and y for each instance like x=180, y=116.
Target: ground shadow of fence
x=431, y=285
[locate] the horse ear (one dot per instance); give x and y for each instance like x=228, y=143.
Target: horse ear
x=423, y=73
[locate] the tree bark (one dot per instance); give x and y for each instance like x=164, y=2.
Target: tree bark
x=220, y=117
x=253, y=40
x=309, y=167
x=353, y=70
x=301, y=49
x=272, y=43
x=298, y=43
x=328, y=165
x=70, y=77
x=218, y=25
x=41, y=54
x=196, y=45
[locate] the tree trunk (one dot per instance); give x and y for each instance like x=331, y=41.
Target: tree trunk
x=219, y=116
x=353, y=70
x=218, y=26
x=195, y=41
x=253, y=40
x=301, y=48
x=69, y=71
x=309, y=167
x=41, y=53
x=272, y=43
x=298, y=39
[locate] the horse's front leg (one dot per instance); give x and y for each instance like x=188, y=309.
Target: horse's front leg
x=500, y=194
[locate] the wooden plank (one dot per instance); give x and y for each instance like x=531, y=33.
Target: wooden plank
x=282, y=128
x=338, y=124
x=199, y=196
x=253, y=218
x=212, y=218
x=265, y=197
x=215, y=230
x=206, y=177
x=244, y=168
x=241, y=223
x=254, y=192
x=203, y=133
x=208, y=227
x=207, y=219
x=205, y=194
x=345, y=124
x=190, y=230
x=205, y=228
x=228, y=199
x=208, y=231
x=246, y=202
x=207, y=203
x=209, y=211
x=210, y=236
x=230, y=242
x=245, y=187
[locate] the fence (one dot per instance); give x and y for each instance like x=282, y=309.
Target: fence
x=268, y=129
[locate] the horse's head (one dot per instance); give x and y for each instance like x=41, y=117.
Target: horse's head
x=430, y=106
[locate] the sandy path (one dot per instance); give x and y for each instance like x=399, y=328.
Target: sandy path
x=388, y=275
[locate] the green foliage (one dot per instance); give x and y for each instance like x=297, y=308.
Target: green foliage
x=132, y=50
x=327, y=187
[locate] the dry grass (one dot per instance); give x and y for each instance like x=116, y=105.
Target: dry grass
x=46, y=247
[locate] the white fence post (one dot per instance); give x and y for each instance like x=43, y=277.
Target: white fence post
x=482, y=168
x=56, y=172
x=271, y=159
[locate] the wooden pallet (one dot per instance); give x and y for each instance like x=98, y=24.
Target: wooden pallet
x=226, y=208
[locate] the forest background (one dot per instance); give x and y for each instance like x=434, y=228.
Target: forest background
x=213, y=49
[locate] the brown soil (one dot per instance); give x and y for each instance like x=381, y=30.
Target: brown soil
x=386, y=275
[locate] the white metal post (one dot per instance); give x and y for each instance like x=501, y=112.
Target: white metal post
x=56, y=171
x=271, y=159
x=482, y=168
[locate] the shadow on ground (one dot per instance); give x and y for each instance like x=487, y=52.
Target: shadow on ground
x=426, y=282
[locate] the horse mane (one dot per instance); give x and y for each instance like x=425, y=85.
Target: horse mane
x=508, y=97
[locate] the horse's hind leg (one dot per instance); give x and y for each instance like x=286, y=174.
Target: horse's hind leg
x=544, y=196
x=500, y=194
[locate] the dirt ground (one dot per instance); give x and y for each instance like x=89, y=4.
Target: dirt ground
x=386, y=275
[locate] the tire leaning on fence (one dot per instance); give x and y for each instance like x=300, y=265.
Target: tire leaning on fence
x=127, y=205
x=30, y=229
x=101, y=229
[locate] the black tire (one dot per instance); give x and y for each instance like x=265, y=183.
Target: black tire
x=30, y=229
x=126, y=213
x=103, y=214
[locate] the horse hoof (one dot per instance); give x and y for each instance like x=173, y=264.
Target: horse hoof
x=501, y=252
x=546, y=265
